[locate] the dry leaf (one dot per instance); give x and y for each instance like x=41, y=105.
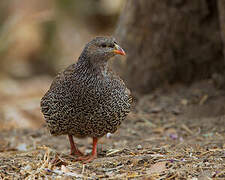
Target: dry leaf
x=157, y=168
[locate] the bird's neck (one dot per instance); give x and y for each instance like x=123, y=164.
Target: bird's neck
x=86, y=64
x=103, y=68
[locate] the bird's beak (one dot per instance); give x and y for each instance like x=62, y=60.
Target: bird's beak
x=119, y=50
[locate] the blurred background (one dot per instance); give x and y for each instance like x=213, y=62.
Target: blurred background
x=174, y=67
x=166, y=44
x=39, y=39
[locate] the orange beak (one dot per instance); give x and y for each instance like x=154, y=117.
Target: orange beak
x=119, y=50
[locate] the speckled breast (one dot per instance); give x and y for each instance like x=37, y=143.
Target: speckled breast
x=105, y=105
x=92, y=107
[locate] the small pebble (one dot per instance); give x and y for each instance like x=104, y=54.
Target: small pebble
x=22, y=147
x=64, y=169
x=88, y=151
x=109, y=135
x=27, y=167
x=139, y=147
x=173, y=136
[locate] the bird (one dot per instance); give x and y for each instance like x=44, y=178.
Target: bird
x=87, y=99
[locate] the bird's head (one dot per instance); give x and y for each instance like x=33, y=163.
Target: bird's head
x=101, y=49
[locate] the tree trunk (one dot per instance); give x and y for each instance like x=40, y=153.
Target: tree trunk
x=221, y=8
x=168, y=41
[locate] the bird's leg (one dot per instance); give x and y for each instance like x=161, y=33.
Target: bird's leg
x=93, y=155
x=74, y=149
x=94, y=151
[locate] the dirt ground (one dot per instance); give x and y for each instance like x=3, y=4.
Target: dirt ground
x=173, y=133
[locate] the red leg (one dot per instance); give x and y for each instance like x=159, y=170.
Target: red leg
x=93, y=154
x=74, y=149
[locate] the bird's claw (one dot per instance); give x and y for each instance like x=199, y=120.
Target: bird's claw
x=87, y=159
x=78, y=153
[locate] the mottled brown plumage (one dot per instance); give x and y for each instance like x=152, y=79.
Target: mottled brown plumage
x=88, y=99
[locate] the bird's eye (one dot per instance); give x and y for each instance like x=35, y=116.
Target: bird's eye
x=112, y=45
x=103, y=45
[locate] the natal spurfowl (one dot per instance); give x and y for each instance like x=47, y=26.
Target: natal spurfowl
x=87, y=99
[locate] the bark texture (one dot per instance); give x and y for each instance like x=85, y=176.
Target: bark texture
x=221, y=9
x=169, y=41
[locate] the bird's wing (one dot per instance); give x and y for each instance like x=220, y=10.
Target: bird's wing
x=61, y=76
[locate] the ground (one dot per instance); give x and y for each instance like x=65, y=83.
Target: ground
x=176, y=132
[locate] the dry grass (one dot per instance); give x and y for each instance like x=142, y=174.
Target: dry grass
x=169, y=135
x=159, y=163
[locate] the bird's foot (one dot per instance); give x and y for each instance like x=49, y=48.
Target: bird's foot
x=87, y=159
x=92, y=156
x=77, y=152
